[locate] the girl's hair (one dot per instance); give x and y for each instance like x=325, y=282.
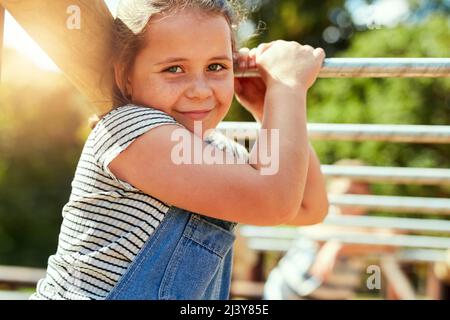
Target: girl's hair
x=130, y=26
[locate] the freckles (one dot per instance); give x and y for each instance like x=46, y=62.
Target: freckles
x=227, y=91
x=174, y=90
x=161, y=89
x=225, y=86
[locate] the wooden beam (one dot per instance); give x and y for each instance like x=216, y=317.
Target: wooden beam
x=2, y=28
x=433, y=285
x=398, y=284
x=76, y=36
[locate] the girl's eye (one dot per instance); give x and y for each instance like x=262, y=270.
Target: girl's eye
x=217, y=64
x=172, y=68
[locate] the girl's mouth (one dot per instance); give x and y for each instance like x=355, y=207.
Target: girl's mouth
x=197, y=115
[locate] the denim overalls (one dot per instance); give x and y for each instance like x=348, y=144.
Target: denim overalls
x=188, y=256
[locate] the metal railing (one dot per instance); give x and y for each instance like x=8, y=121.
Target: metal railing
x=417, y=245
x=403, y=224
x=378, y=68
x=424, y=176
x=351, y=132
x=286, y=237
x=426, y=205
x=431, y=249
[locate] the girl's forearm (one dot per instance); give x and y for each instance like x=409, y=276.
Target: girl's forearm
x=314, y=206
x=285, y=114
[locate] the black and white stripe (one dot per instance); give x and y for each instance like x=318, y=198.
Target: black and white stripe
x=106, y=220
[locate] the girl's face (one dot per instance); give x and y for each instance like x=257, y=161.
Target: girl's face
x=186, y=67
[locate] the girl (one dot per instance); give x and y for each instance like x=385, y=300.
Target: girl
x=137, y=224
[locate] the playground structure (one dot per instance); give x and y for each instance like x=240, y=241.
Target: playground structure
x=82, y=55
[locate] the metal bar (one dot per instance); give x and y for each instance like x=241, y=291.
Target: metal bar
x=285, y=238
x=392, y=203
x=406, y=255
x=352, y=132
x=2, y=29
x=416, y=255
x=381, y=239
x=422, y=255
x=407, y=224
x=377, y=132
x=14, y=295
x=377, y=68
x=20, y=275
x=389, y=174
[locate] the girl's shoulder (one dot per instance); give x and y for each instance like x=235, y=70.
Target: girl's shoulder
x=117, y=130
x=128, y=111
x=132, y=116
x=125, y=121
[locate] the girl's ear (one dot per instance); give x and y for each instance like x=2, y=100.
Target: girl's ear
x=129, y=88
x=118, y=78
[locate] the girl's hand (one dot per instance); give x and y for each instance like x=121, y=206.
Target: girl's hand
x=250, y=92
x=289, y=63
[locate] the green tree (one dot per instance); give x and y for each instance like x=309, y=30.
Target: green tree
x=295, y=20
x=389, y=101
x=42, y=128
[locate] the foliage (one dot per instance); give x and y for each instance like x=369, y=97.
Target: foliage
x=389, y=101
x=41, y=123
x=43, y=120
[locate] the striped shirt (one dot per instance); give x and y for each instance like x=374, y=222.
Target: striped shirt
x=107, y=220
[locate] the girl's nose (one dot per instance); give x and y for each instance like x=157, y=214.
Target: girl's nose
x=199, y=88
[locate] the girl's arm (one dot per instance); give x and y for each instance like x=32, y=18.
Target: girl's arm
x=237, y=192
x=233, y=192
x=285, y=113
x=314, y=207
x=251, y=93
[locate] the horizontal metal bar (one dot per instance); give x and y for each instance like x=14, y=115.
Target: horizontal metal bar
x=406, y=255
x=377, y=68
x=14, y=295
x=352, y=132
x=21, y=275
x=389, y=174
x=286, y=237
x=408, y=224
x=283, y=245
x=392, y=203
x=377, y=132
x=422, y=255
